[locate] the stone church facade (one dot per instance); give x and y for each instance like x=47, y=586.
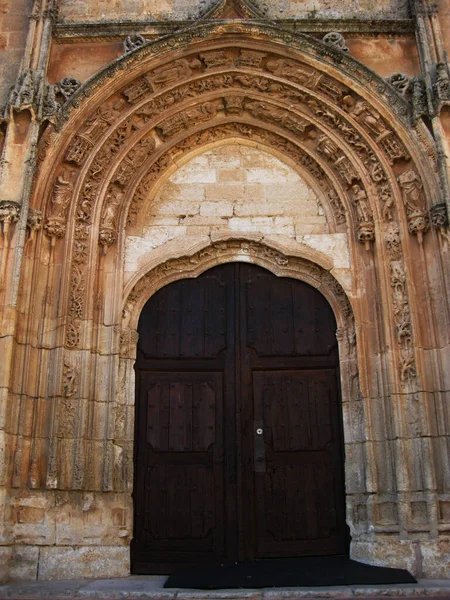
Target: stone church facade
x=144, y=142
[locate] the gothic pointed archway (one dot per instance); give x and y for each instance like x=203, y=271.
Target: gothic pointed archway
x=106, y=173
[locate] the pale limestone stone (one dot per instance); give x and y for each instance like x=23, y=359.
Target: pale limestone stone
x=18, y=563
x=83, y=562
x=211, y=209
x=385, y=552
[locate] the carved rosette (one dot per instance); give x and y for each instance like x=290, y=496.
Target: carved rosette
x=9, y=214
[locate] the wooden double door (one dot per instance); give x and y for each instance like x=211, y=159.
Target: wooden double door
x=238, y=451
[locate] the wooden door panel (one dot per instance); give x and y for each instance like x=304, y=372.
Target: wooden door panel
x=296, y=494
x=188, y=320
x=180, y=485
x=286, y=317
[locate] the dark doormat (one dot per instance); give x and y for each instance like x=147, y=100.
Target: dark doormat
x=288, y=572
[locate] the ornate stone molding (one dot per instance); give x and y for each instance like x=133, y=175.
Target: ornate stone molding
x=271, y=32
x=231, y=251
x=101, y=31
x=400, y=302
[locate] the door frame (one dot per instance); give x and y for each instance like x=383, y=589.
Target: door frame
x=275, y=262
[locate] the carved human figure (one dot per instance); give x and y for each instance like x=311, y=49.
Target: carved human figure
x=361, y=203
x=365, y=115
x=179, y=69
x=411, y=185
x=291, y=70
x=113, y=199
x=62, y=193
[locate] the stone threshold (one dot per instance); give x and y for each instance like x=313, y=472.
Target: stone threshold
x=151, y=588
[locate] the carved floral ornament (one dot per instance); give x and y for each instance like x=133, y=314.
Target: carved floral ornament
x=219, y=253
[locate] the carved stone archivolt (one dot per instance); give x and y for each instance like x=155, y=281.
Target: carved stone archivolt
x=123, y=149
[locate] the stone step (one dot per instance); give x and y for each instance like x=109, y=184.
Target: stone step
x=151, y=588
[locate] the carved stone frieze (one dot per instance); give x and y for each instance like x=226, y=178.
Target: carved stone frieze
x=181, y=121
x=411, y=186
x=340, y=162
x=95, y=127
x=271, y=33
x=280, y=116
x=174, y=72
x=372, y=121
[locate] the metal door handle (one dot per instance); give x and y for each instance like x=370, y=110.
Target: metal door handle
x=259, y=450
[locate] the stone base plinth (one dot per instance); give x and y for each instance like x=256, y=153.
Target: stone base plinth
x=429, y=559
x=27, y=563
